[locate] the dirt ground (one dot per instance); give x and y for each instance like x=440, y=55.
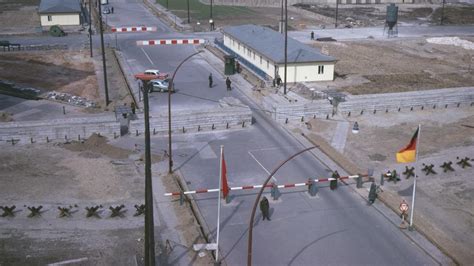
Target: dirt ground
x=83, y=174
x=19, y=16
x=371, y=66
x=71, y=71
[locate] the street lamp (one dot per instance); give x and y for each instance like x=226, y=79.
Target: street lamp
x=252, y=217
x=211, y=24
x=171, y=87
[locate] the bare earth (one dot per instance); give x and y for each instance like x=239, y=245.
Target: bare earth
x=368, y=66
x=88, y=174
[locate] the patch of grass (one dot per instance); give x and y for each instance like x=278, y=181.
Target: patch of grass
x=454, y=15
x=200, y=11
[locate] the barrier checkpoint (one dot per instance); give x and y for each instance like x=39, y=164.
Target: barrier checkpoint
x=310, y=181
x=171, y=41
x=133, y=29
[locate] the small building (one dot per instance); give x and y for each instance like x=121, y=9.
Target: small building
x=263, y=48
x=60, y=12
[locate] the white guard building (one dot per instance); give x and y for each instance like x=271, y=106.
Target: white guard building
x=264, y=48
x=60, y=12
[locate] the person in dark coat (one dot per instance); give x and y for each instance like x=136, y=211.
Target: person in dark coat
x=278, y=80
x=312, y=35
x=132, y=105
x=333, y=183
x=210, y=80
x=372, y=193
x=228, y=83
x=112, y=10
x=265, y=208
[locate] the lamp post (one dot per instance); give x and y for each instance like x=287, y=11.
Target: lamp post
x=252, y=217
x=171, y=87
x=442, y=13
x=211, y=24
x=337, y=7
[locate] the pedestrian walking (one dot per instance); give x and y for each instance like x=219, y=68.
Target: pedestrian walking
x=112, y=10
x=372, y=193
x=278, y=80
x=228, y=83
x=312, y=33
x=265, y=208
x=210, y=80
x=132, y=105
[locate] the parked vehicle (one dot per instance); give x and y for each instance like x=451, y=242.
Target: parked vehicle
x=157, y=73
x=160, y=85
x=106, y=10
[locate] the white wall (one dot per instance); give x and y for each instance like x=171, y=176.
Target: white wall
x=60, y=19
x=295, y=73
x=308, y=72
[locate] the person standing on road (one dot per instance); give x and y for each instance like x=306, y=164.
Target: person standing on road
x=210, y=80
x=228, y=83
x=265, y=208
x=312, y=33
x=132, y=105
x=372, y=193
x=278, y=81
x=112, y=10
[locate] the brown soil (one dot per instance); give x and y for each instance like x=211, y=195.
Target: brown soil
x=19, y=16
x=71, y=72
x=5, y=117
x=398, y=65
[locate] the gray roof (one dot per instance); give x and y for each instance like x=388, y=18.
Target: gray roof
x=59, y=6
x=271, y=44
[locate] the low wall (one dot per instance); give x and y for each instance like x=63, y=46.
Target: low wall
x=192, y=121
x=373, y=103
x=26, y=132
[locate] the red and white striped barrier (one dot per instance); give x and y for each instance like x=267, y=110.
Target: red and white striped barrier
x=133, y=29
x=259, y=186
x=171, y=41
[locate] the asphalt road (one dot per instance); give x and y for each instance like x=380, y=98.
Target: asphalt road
x=336, y=227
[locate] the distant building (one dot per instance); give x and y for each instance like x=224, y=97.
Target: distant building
x=60, y=12
x=264, y=49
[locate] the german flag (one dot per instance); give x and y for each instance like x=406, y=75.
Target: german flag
x=408, y=154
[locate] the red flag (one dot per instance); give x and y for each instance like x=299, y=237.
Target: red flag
x=225, y=187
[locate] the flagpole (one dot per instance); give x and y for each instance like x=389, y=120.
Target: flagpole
x=416, y=176
x=219, y=203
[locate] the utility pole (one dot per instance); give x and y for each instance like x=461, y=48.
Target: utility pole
x=149, y=224
x=286, y=45
x=103, y=56
x=442, y=13
x=189, y=20
x=90, y=26
x=337, y=8
x=280, y=26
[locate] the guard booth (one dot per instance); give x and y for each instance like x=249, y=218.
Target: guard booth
x=229, y=63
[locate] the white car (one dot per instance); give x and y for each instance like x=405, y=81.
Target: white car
x=160, y=85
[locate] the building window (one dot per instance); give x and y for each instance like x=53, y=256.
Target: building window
x=249, y=53
x=260, y=60
x=268, y=64
x=253, y=55
x=320, y=69
x=50, y=18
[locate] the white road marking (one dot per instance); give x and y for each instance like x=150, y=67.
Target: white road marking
x=262, y=166
x=149, y=59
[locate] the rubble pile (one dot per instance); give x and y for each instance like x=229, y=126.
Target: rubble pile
x=71, y=99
